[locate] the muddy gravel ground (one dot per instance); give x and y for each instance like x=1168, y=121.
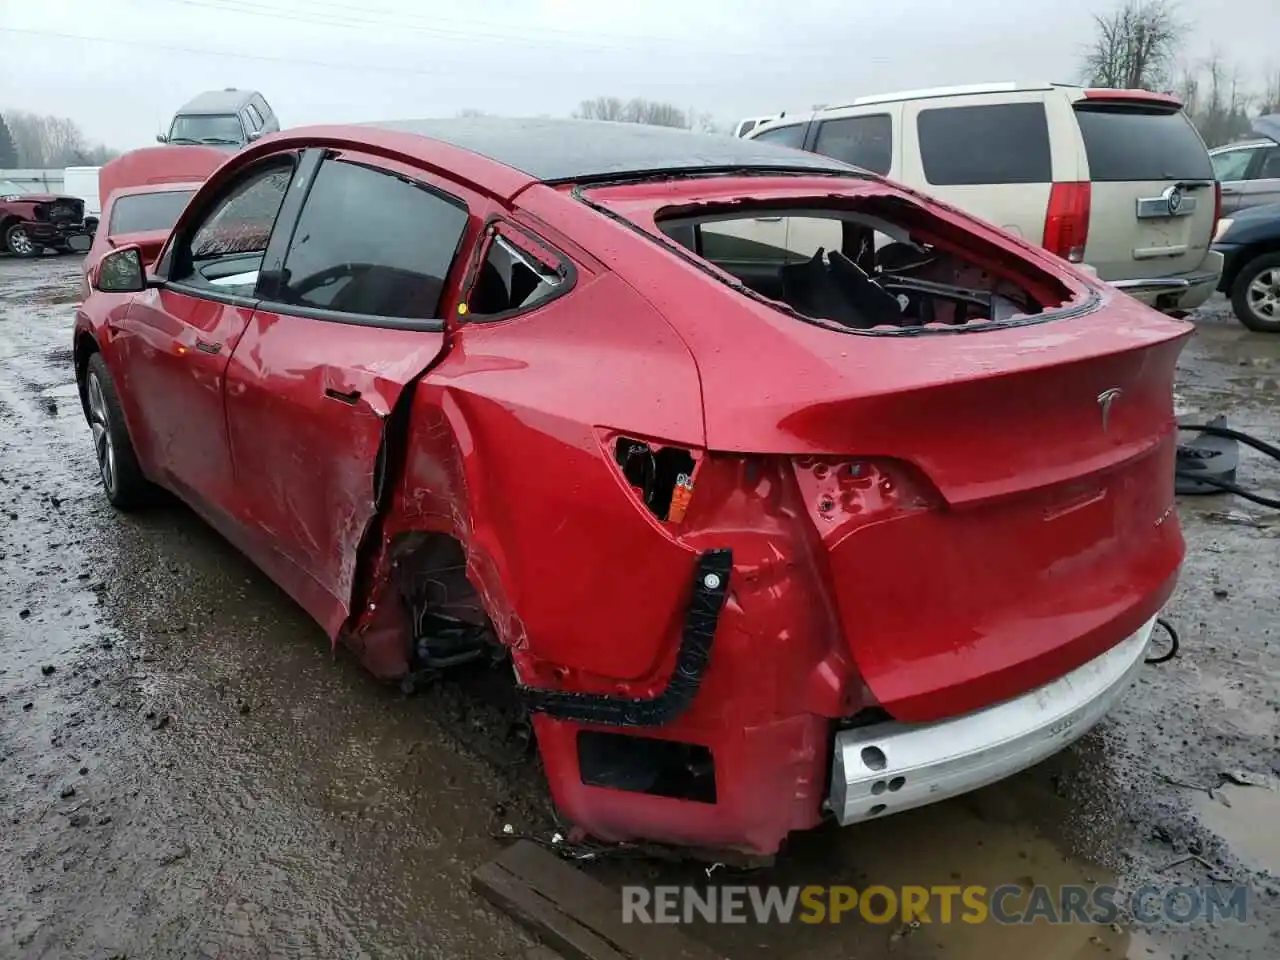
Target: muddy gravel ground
x=188, y=770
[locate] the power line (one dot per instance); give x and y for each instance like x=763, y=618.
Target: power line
x=358, y=67
x=339, y=14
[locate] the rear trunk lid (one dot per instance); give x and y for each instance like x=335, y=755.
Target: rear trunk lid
x=994, y=505
x=995, y=509
x=1153, y=193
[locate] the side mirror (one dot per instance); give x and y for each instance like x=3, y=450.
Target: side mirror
x=79, y=243
x=254, y=135
x=120, y=271
x=162, y=138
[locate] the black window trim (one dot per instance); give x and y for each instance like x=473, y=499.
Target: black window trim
x=273, y=259
x=488, y=236
x=304, y=163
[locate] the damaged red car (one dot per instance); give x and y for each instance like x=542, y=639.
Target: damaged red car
x=768, y=532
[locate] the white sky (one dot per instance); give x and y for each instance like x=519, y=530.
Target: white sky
x=321, y=60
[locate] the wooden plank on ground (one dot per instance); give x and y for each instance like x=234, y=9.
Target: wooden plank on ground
x=574, y=913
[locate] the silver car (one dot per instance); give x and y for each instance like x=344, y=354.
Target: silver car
x=1250, y=171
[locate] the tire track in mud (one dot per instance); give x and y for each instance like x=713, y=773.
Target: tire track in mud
x=176, y=777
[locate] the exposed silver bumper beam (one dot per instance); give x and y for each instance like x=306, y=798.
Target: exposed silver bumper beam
x=889, y=767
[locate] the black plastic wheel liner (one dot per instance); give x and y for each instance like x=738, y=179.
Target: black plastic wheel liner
x=710, y=587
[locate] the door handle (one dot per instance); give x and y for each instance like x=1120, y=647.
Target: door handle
x=769, y=219
x=1230, y=191
x=206, y=347
x=350, y=399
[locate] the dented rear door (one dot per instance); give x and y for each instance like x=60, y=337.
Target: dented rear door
x=351, y=319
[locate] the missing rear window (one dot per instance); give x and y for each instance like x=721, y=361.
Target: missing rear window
x=888, y=264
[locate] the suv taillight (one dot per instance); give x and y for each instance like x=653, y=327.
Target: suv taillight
x=1066, y=224
x=1217, y=202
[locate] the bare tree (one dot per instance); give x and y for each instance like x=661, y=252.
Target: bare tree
x=44, y=141
x=1270, y=99
x=637, y=110
x=1216, y=98
x=1134, y=46
x=601, y=108
x=8, y=149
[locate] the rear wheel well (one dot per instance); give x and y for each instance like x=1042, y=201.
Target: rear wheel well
x=1246, y=257
x=84, y=348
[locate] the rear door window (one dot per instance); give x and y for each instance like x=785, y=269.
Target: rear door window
x=147, y=211
x=865, y=142
x=1231, y=164
x=1125, y=143
x=791, y=136
x=1269, y=169
x=372, y=243
x=985, y=144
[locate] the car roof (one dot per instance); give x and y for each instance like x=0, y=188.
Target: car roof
x=577, y=151
x=217, y=101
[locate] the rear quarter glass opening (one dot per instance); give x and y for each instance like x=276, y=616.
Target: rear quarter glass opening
x=1141, y=142
x=875, y=264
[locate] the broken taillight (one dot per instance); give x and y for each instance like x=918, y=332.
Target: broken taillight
x=844, y=490
x=1066, y=223
x=660, y=476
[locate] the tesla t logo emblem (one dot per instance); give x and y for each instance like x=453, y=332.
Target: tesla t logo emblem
x=1105, y=399
x=1173, y=196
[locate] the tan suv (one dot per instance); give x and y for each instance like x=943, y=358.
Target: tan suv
x=1115, y=180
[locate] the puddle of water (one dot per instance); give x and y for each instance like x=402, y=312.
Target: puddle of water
x=959, y=843
x=1248, y=824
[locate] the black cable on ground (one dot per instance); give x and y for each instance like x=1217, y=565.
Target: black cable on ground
x=1225, y=486
x=1173, y=643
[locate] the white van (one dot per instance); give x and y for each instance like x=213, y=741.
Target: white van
x=1117, y=180
x=82, y=183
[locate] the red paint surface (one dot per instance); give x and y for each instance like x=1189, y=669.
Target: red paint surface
x=923, y=524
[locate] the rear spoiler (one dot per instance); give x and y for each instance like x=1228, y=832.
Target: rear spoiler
x=1134, y=98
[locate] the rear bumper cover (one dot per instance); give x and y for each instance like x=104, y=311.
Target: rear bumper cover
x=1184, y=291
x=889, y=767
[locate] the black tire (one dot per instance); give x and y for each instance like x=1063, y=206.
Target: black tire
x=122, y=478
x=18, y=242
x=1255, y=296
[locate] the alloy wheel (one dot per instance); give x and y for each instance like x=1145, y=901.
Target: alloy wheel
x=99, y=423
x=1264, y=295
x=20, y=242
